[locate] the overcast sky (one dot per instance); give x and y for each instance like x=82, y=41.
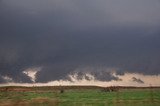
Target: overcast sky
x=59, y=37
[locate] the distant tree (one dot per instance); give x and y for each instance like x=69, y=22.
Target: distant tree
x=61, y=89
x=110, y=89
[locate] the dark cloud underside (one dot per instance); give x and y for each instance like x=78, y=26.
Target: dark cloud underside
x=62, y=36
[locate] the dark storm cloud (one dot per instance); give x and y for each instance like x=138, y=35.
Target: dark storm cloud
x=62, y=35
x=137, y=80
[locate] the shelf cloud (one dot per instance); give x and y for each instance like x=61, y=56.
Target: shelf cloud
x=43, y=41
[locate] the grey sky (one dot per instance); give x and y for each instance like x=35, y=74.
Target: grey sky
x=62, y=36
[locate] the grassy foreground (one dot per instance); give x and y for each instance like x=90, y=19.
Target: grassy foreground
x=79, y=97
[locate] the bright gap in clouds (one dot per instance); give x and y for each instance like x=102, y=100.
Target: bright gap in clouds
x=128, y=79
x=31, y=73
x=7, y=79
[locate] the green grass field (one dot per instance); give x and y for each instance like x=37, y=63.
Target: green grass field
x=81, y=97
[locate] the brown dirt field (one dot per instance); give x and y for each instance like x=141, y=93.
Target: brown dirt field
x=33, y=102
